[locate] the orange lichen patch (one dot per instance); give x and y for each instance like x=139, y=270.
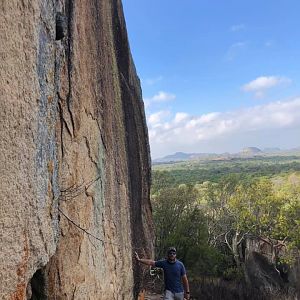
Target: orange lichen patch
x=22, y=267
x=50, y=98
x=49, y=188
x=50, y=195
x=20, y=291
x=50, y=166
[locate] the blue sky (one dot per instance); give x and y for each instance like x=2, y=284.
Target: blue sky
x=217, y=75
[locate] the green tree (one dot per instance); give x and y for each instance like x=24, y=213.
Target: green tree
x=161, y=180
x=236, y=209
x=179, y=221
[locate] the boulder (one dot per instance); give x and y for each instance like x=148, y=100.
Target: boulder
x=262, y=274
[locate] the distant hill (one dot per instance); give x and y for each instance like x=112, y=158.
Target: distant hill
x=250, y=151
x=178, y=156
x=181, y=156
x=244, y=153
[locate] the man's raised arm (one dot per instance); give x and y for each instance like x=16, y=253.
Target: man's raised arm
x=148, y=262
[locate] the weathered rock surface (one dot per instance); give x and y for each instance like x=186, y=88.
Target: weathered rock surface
x=263, y=273
x=75, y=164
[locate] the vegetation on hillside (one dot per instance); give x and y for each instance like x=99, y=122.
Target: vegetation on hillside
x=193, y=172
x=208, y=209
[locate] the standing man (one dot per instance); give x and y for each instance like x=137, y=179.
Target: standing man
x=174, y=274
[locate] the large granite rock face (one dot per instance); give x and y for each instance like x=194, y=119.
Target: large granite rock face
x=75, y=164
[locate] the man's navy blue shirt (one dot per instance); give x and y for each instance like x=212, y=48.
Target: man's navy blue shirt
x=172, y=273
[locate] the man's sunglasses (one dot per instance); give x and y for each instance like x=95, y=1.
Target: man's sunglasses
x=172, y=253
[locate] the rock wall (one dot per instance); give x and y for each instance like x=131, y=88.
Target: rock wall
x=75, y=163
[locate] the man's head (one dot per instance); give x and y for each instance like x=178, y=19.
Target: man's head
x=171, y=254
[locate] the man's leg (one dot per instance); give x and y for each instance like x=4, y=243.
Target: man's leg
x=169, y=295
x=179, y=296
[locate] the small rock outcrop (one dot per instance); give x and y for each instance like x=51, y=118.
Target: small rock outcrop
x=75, y=163
x=264, y=273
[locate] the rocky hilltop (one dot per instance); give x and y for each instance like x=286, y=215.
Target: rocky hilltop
x=75, y=164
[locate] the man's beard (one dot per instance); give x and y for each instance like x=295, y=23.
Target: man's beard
x=171, y=260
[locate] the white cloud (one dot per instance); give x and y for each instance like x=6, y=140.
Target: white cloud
x=184, y=132
x=179, y=117
x=237, y=27
x=155, y=119
x=203, y=119
x=161, y=96
x=261, y=84
x=234, y=50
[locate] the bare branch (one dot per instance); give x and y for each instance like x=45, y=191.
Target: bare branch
x=226, y=240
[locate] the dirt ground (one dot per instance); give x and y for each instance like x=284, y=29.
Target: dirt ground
x=151, y=296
